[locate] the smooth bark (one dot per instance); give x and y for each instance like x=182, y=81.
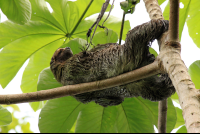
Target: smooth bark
x=171, y=62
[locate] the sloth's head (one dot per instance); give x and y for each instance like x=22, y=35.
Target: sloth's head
x=61, y=55
x=58, y=60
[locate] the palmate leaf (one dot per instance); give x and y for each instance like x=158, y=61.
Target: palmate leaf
x=18, y=11
x=37, y=41
x=20, y=42
x=59, y=115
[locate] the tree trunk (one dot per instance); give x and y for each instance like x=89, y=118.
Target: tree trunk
x=171, y=63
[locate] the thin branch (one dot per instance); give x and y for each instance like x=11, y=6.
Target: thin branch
x=174, y=21
x=162, y=116
x=141, y=73
x=122, y=27
x=155, y=12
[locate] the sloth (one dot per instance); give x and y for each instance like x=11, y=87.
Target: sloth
x=109, y=60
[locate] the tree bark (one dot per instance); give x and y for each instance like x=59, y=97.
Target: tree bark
x=171, y=62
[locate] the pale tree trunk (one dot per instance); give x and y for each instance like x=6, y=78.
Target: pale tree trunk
x=171, y=63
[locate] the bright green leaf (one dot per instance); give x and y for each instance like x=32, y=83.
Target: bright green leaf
x=180, y=121
x=76, y=45
x=182, y=17
x=193, y=18
x=59, y=115
x=161, y=1
x=40, y=60
x=152, y=51
x=96, y=119
x=24, y=41
x=175, y=98
x=151, y=109
x=133, y=118
x=47, y=80
x=5, y=116
x=94, y=8
x=182, y=130
x=66, y=13
x=106, y=36
x=40, y=12
x=194, y=71
x=18, y=11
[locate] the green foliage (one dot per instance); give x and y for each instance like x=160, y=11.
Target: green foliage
x=18, y=11
x=161, y=1
x=129, y=5
x=182, y=17
x=194, y=71
x=103, y=37
x=5, y=116
x=182, y=130
x=42, y=36
x=16, y=122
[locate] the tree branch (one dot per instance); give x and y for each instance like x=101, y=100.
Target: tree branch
x=141, y=73
x=171, y=62
x=155, y=12
x=162, y=116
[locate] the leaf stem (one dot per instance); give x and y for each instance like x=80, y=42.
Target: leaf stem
x=122, y=27
x=81, y=17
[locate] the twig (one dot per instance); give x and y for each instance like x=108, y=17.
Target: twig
x=122, y=27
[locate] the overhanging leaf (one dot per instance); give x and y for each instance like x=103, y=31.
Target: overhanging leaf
x=194, y=71
x=183, y=14
x=180, y=121
x=95, y=118
x=193, y=18
x=18, y=11
x=47, y=80
x=59, y=115
x=132, y=118
x=106, y=36
x=24, y=41
x=5, y=116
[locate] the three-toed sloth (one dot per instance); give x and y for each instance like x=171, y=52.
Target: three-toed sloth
x=109, y=60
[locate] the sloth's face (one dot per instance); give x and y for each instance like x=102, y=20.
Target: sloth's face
x=61, y=55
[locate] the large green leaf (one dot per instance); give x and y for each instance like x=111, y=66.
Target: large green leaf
x=21, y=42
x=66, y=13
x=180, y=121
x=183, y=14
x=161, y=1
x=18, y=11
x=133, y=118
x=40, y=12
x=59, y=115
x=96, y=119
x=182, y=130
x=94, y=8
x=5, y=116
x=47, y=80
x=151, y=109
x=194, y=71
x=103, y=37
x=193, y=18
